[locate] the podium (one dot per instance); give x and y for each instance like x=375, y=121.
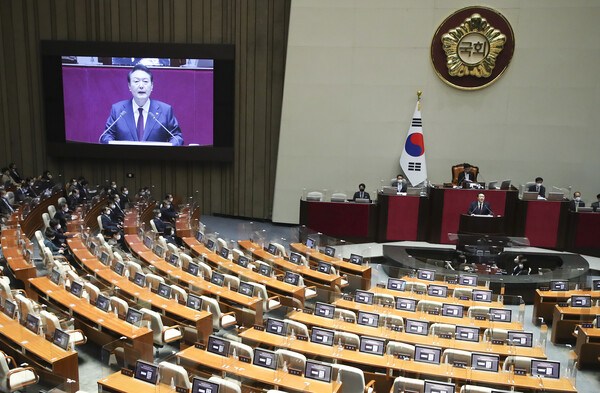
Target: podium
x=482, y=225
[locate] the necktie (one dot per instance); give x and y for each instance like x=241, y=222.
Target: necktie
x=481, y=208
x=140, y=124
x=537, y=188
x=362, y=194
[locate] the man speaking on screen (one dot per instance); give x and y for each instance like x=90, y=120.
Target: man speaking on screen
x=141, y=119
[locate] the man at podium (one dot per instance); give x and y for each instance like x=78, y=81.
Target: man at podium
x=141, y=119
x=480, y=206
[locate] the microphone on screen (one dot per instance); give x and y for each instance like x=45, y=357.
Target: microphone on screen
x=161, y=124
x=111, y=126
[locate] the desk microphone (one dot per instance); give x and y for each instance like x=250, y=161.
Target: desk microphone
x=111, y=126
x=161, y=124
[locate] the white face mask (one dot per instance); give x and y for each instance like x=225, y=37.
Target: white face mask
x=170, y=199
x=577, y=199
x=125, y=192
x=159, y=215
x=118, y=237
x=58, y=226
x=114, y=186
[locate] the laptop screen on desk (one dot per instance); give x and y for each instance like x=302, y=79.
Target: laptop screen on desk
x=271, y=249
x=367, y=319
x=363, y=297
x=482, y=295
x=148, y=241
x=545, y=369
x=427, y=354
x=396, y=284
x=291, y=278
x=559, y=285
x=174, y=259
x=242, y=261
x=406, y=304
x=322, y=336
x=76, y=288
x=265, y=358
x=485, y=362
x=427, y=275
x=164, y=290
x=119, y=267
x=55, y=276
x=438, y=387
x=452, y=310
x=193, y=268
x=295, y=258
x=596, y=285
x=218, y=346
x=217, y=279
x=371, y=345
x=159, y=250
x=61, y=339
x=139, y=279
x=200, y=385
x=246, y=289
x=32, y=323
x=324, y=267
x=324, y=310
x=356, y=259
x=264, y=270
x=10, y=308
x=104, y=258
x=134, y=317
x=276, y=326
x=437, y=290
x=224, y=253
x=146, y=372
x=469, y=281
x=310, y=243
x=102, y=302
x=330, y=251
x=500, y=315
x=467, y=333
x=581, y=301
x=200, y=236
x=414, y=326
x=520, y=339
x=210, y=244
x=194, y=302
x=318, y=371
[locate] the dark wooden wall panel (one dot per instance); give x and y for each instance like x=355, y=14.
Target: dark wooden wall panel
x=258, y=28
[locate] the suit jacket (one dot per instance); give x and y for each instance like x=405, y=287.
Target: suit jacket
x=365, y=195
x=160, y=225
x=542, y=191
x=168, y=215
x=5, y=208
x=572, y=204
x=596, y=205
x=404, y=185
x=73, y=201
x=125, y=128
x=461, y=177
x=107, y=223
x=62, y=217
x=474, y=208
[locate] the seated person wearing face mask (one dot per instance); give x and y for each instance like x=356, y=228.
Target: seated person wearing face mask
x=61, y=238
x=361, y=193
x=107, y=221
x=168, y=213
x=62, y=214
x=596, y=205
x=49, y=241
x=115, y=206
x=576, y=202
x=124, y=199
x=537, y=187
x=113, y=238
x=400, y=183
x=159, y=223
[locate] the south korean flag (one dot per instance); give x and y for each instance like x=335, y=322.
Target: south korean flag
x=412, y=160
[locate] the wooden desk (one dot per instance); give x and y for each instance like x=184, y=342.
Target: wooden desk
x=544, y=302
x=21, y=269
x=389, y=363
x=566, y=319
x=98, y=326
x=33, y=221
x=587, y=347
x=193, y=357
x=351, y=305
x=53, y=359
x=362, y=271
x=291, y=295
x=119, y=383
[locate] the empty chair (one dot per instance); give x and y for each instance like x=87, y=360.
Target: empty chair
x=101, y=241
x=442, y=328
x=52, y=210
x=221, y=243
x=92, y=292
x=384, y=299
x=280, y=250
x=491, y=334
x=309, y=292
x=172, y=373
x=391, y=320
x=346, y=315
x=172, y=249
x=225, y=385
x=46, y=219
x=119, y=306
x=339, y=197
x=153, y=226
x=291, y=359
x=451, y=356
x=231, y=282
x=40, y=239
x=297, y=327
x=62, y=200
x=51, y=323
x=12, y=377
x=26, y=306
x=395, y=348
x=463, y=292
x=163, y=242
x=415, y=286
x=152, y=281
x=220, y=320
x=345, y=338
x=236, y=254
x=241, y=350
x=269, y=303
x=259, y=263
x=478, y=311
x=519, y=362
x=352, y=378
x=5, y=289
x=429, y=305
x=314, y=196
x=402, y=384
x=203, y=269
x=132, y=267
x=179, y=294
x=161, y=334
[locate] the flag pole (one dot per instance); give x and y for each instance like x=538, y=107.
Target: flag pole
x=419, y=92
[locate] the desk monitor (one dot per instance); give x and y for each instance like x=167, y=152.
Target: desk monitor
x=139, y=279
x=159, y=250
x=246, y=289
x=437, y=290
x=375, y=346
x=32, y=323
x=322, y=336
x=10, y=308
x=330, y=251
x=367, y=319
x=55, y=276
x=505, y=185
x=164, y=290
x=530, y=195
x=103, y=302
x=295, y=258
x=224, y=253
x=93, y=247
x=406, y=304
x=559, y=285
x=520, y=338
x=415, y=326
x=482, y=295
x=310, y=243
x=218, y=346
x=271, y=249
x=324, y=310
x=140, y=233
x=133, y=317
x=581, y=301
x=76, y=288
x=428, y=354
x=146, y=372
x=318, y=371
x=265, y=358
x=452, y=310
x=324, y=267
x=545, y=369
x=200, y=385
x=356, y=259
x=438, y=387
x=467, y=333
x=242, y=261
x=467, y=280
x=61, y=339
x=597, y=321
x=485, y=362
x=193, y=268
x=104, y=258
x=194, y=302
x=500, y=315
x=174, y=259
x=275, y=326
x=363, y=297
x=291, y=278
x=217, y=279
x=396, y=284
x=119, y=268
x=210, y=244
x=200, y=236
x=264, y=270
x=596, y=285
x=148, y=241
x=556, y=196
x=427, y=275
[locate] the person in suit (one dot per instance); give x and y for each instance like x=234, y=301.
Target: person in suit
x=49, y=241
x=400, y=183
x=107, y=222
x=12, y=167
x=142, y=119
x=596, y=205
x=168, y=213
x=361, y=193
x=466, y=175
x=6, y=210
x=538, y=187
x=480, y=206
x=115, y=205
x=28, y=187
x=123, y=197
x=84, y=192
x=73, y=198
x=62, y=214
x=576, y=202
x=7, y=180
